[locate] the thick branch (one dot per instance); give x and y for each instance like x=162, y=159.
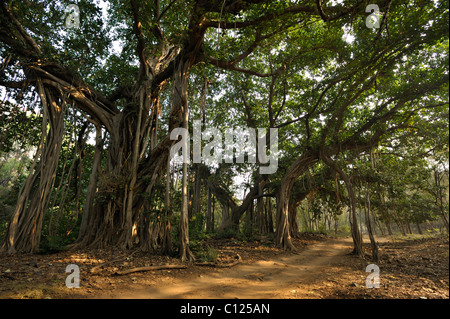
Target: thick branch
x=267, y=17
x=18, y=26
x=231, y=66
x=314, y=10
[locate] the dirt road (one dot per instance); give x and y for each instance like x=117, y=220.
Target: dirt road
x=286, y=277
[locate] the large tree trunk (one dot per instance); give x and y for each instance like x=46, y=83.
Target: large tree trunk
x=299, y=167
x=24, y=230
x=283, y=235
x=114, y=219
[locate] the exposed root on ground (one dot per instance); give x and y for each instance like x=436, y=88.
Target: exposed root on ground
x=149, y=268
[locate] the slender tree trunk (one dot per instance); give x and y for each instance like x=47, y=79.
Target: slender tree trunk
x=209, y=212
x=419, y=230
x=260, y=207
x=439, y=200
x=408, y=225
x=213, y=212
x=399, y=223
x=385, y=212
x=184, y=250
x=197, y=189
x=250, y=219
x=380, y=226
x=335, y=225
x=269, y=217
x=367, y=209
x=166, y=245
x=226, y=218
x=180, y=80
x=293, y=219
x=191, y=192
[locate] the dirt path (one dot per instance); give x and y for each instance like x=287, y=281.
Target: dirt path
x=285, y=277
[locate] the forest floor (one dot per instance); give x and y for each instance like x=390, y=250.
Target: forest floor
x=321, y=268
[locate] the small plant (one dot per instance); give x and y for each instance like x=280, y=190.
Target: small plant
x=211, y=254
x=204, y=254
x=344, y=230
x=227, y=233
x=51, y=244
